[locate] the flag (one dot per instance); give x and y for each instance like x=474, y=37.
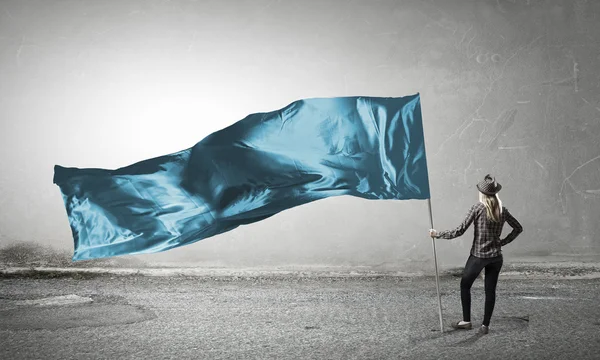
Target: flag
x=368, y=147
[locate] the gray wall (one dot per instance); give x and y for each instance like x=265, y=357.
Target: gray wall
x=508, y=87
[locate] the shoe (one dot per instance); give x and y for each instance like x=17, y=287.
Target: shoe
x=458, y=325
x=484, y=329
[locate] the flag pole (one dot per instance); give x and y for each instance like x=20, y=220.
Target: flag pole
x=437, y=281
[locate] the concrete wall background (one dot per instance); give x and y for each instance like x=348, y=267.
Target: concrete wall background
x=509, y=87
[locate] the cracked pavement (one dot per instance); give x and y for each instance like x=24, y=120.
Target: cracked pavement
x=102, y=316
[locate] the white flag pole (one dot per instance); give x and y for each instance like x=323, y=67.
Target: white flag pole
x=437, y=281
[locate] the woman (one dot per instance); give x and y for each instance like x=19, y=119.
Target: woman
x=489, y=216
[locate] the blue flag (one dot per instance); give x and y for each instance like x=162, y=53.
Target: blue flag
x=370, y=147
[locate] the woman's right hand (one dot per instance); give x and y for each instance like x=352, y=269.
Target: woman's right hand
x=432, y=233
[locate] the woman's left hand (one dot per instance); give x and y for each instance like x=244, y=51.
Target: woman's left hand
x=432, y=233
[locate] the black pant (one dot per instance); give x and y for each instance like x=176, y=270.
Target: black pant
x=473, y=267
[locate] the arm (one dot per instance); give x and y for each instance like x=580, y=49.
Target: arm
x=517, y=228
x=451, y=234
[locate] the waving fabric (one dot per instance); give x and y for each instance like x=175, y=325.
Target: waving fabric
x=369, y=147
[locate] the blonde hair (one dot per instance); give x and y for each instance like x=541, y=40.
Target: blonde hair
x=493, y=206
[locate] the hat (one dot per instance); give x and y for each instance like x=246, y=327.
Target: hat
x=489, y=185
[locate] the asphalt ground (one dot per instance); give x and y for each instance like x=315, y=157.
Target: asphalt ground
x=95, y=315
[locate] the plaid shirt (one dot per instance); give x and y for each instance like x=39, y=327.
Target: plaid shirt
x=486, y=242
